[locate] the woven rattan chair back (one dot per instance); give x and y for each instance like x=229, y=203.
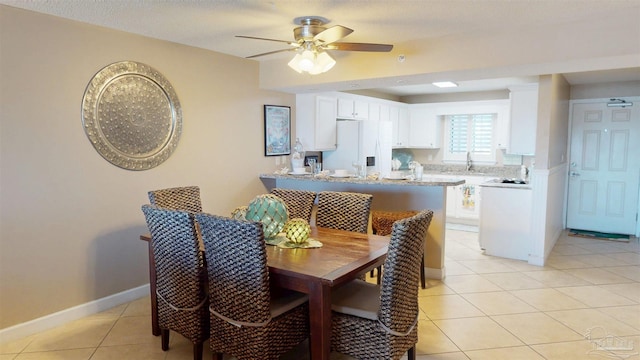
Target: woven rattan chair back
x=185, y=198
x=299, y=202
x=241, y=323
x=394, y=332
x=344, y=211
x=399, y=288
x=382, y=221
x=180, y=279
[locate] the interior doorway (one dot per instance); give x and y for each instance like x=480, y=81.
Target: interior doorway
x=604, y=168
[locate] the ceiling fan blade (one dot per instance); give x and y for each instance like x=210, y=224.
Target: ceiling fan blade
x=269, y=53
x=332, y=34
x=345, y=46
x=259, y=38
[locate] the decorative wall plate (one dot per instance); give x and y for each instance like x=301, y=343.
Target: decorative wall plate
x=132, y=115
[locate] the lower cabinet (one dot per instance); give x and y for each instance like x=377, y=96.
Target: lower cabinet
x=463, y=201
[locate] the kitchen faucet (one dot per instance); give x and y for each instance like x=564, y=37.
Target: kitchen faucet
x=468, y=161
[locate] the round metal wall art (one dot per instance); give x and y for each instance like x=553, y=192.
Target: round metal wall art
x=132, y=115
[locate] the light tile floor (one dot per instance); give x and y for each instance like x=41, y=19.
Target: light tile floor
x=486, y=308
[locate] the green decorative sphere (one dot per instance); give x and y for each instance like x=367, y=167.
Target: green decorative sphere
x=271, y=211
x=297, y=230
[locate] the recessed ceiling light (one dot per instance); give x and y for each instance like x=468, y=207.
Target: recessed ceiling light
x=445, y=84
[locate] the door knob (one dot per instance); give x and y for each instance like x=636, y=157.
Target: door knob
x=574, y=174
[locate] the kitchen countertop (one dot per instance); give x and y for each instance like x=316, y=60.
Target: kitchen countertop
x=426, y=180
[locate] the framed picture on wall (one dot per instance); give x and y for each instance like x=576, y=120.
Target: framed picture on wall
x=277, y=130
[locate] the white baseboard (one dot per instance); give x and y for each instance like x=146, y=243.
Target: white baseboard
x=431, y=273
x=77, y=312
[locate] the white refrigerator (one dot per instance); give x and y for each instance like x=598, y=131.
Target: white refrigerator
x=358, y=140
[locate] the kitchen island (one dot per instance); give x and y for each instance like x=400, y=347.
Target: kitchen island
x=390, y=195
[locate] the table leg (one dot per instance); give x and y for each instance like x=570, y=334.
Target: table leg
x=155, y=328
x=320, y=321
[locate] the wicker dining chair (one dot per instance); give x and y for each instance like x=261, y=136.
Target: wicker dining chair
x=246, y=321
x=382, y=223
x=185, y=198
x=380, y=321
x=299, y=202
x=344, y=211
x=180, y=276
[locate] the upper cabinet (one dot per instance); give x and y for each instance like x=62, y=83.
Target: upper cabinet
x=400, y=126
x=523, y=119
x=355, y=109
x=425, y=127
x=316, y=121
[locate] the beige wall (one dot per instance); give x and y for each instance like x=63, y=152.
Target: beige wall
x=70, y=220
x=552, y=133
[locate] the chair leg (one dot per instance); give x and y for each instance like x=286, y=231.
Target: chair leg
x=164, y=335
x=379, y=275
x=411, y=354
x=423, y=279
x=197, y=351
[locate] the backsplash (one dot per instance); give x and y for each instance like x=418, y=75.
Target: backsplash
x=498, y=171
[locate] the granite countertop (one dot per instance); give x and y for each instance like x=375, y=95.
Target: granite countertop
x=426, y=180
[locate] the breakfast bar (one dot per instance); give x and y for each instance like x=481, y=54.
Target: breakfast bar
x=388, y=195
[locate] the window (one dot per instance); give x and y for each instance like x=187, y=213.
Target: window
x=470, y=133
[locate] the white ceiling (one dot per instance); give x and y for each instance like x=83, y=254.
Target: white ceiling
x=213, y=24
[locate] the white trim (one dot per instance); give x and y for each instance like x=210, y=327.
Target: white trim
x=432, y=273
x=74, y=313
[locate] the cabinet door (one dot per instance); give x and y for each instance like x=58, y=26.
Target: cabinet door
x=353, y=109
x=502, y=132
x=361, y=110
x=425, y=128
x=400, y=120
x=524, y=119
x=468, y=206
x=374, y=112
x=452, y=201
x=345, y=108
x=325, y=123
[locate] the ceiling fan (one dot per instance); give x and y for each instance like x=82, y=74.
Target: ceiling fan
x=312, y=39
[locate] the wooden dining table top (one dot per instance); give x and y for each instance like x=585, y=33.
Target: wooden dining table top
x=343, y=253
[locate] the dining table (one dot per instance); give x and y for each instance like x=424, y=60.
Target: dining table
x=343, y=256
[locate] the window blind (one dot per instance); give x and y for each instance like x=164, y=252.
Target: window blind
x=471, y=133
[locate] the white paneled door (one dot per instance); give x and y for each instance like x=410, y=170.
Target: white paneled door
x=604, y=170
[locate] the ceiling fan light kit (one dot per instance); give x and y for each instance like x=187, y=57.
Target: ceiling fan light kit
x=312, y=40
x=312, y=62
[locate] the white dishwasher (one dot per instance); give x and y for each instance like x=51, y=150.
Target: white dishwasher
x=505, y=219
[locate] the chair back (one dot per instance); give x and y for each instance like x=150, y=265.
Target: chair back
x=299, y=202
x=382, y=221
x=399, y=288
x=237, y=268
x=344, y=211
x=179, y=272
x=185, y=198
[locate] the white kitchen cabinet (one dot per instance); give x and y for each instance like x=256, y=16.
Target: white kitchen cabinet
x=356, y=109
x=523, y=119
x=425, y=127
x=463, y=201
x=505, y=224
x=400, y=122
x=316, y=121
x=502, y=128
